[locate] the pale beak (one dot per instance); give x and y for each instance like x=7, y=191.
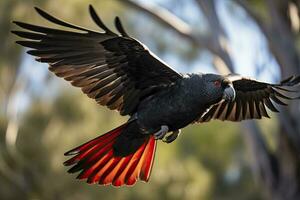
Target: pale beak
x=229, y=93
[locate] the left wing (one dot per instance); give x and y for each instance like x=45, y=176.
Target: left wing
x=114, y=69
x=251, y=100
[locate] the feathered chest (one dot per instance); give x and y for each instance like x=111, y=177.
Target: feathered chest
x=177, y=106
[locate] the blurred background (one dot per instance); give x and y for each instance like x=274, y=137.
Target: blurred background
x=42, y=116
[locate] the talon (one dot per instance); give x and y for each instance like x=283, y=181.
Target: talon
x=172, y=137
x=161, y=133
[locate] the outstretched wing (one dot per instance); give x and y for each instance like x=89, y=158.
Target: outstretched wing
x=252, y=98
x=115, y=70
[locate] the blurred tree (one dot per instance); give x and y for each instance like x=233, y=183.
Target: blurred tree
x=208, y=162
x=279, y=22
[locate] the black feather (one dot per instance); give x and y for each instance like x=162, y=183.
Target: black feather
x=58, y=21
x=238, y=109
x=105, y=90
x=99, y=22
x=229, y=109
x=31, y=44
x=270, y=105
x=104, y=81
x=278, y=101
x=29, y=35
x=120, y=27
x=41, y=29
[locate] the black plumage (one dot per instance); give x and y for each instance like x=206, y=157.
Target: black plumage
x=121, y=73
x=98, y=62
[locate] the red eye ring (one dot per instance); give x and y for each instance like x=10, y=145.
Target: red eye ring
x=217, y=83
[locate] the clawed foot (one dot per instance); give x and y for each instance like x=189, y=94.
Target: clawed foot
x=170, y=138
x=161, y=133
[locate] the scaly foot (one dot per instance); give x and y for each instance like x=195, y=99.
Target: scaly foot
x=161, y=133
x=170, y=138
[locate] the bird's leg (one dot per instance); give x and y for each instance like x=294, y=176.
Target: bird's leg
x=161, y=133
x=170, y=138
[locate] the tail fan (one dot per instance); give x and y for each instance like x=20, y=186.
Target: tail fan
x=96, y=161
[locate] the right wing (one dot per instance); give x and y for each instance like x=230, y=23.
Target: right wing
x=252, y=98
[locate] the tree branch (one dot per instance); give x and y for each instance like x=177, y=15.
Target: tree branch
x=171, y=21
x=218, y=35
x=265, y=163
x=209, y=9
x=259, y=22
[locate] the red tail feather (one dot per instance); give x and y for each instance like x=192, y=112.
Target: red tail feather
x=97, y=163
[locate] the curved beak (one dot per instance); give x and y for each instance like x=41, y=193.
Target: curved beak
x=229, y=93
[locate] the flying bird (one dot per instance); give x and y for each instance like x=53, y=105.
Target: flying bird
x=121, y=73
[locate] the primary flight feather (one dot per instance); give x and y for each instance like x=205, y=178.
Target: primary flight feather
x=123, y=74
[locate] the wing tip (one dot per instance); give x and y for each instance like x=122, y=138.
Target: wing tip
x=91, y=7
x=21, y=42
x=72, y=152
x=293, y=80
x=120, y=27
x=41, y=12
x=15, y=32
x=37, y=9
x=98, y=20
x=18, y=23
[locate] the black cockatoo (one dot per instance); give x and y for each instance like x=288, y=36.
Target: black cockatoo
x=121, y=73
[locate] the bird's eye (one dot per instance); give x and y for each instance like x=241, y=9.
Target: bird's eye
x=217, y=83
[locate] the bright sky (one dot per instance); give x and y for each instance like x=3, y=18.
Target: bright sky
x=248, y=46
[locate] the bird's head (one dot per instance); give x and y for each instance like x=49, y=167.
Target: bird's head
x=218, y=88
